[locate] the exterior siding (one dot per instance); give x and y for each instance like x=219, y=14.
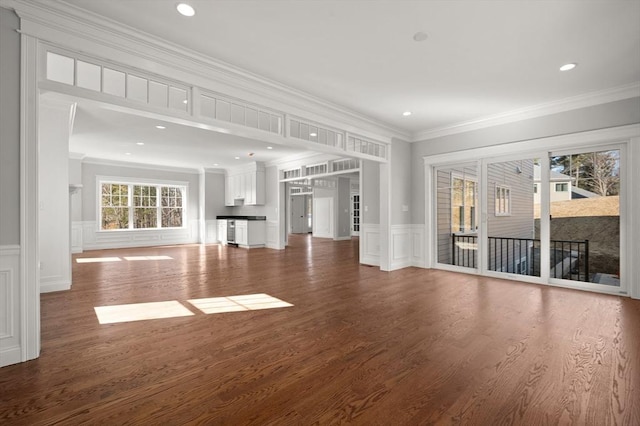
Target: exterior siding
x=520, y=223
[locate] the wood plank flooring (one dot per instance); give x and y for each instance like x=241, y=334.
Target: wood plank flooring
x=359, y=346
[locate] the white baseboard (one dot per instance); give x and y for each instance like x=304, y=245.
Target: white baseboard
x=51, y=286
x=10, y=331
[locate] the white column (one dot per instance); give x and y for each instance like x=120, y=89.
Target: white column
x=54, y=121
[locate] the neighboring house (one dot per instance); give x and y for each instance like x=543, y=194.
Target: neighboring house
x=561, y=187
x=509, y=218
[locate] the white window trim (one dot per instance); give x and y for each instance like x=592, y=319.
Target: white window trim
x=137, y=181
x=507, y=196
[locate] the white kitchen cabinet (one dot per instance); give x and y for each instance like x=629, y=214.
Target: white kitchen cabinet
x=222, y=231
x=242, y=232
x=245, y=185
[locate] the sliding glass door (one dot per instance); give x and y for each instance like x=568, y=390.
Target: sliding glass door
x=585, y=196
x=513, y=216
x=553, y=217
x=457, y=215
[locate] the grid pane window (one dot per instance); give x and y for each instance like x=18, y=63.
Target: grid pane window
x=171, y=207
x=131, y=206
x=115, y=206
x=145, y=207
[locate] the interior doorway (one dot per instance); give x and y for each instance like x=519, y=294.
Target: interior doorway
x=301, y=214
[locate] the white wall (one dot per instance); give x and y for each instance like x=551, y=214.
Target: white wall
x=9, y=128
x=612, y=114
x=94, y=239
x=11, y=345
x=214, y=188
x=343, y=222
x=401, y=202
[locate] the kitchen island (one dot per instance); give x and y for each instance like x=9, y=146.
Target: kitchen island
x=242, y=231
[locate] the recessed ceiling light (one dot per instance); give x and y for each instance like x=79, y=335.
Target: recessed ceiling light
x=269, y=147
x=127, y=153
x=185, y=9
x=185, y=101
x=313, y=135
x=406, y=113
x=140, y=143
x=216, y=164
x=237, y=158
x=160, y=127
x=568, y=67
x=420, y=36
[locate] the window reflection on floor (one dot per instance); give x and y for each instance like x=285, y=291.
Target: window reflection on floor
x=117, y=259
x=248, y=302
x=98, y=259
x=141, y=311
x=173, y=308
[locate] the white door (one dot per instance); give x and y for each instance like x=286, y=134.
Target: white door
x=355, y=215
x=298, y=214
x=323, y=217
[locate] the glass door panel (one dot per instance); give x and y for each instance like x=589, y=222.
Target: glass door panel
x=457, y=215
x=585, y=217
x=513, y=217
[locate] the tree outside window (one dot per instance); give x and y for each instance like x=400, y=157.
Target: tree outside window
x=131, y=206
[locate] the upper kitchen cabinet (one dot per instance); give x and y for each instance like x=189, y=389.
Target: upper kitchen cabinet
x=245, y=185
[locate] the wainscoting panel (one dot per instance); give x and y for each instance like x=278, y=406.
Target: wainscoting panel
x=76, y=237
x=272, y=234
x=401, y=247
x=10, y=351
x=370, y=244
x=211, y=231
x=418, y=253
x=98, y=240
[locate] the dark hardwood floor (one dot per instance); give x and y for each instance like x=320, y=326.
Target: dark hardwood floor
x=359, y=346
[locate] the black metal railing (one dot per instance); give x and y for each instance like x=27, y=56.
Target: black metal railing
x=569, y=259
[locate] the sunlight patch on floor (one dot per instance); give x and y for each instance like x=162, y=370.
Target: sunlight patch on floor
x=117, y=259
x=141, y=311
x=247, y=302
x=98, y=259
x=148, y=257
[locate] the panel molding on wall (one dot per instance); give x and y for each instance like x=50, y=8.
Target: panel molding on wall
x=97, y=240
x=10, y=349
x=76, y=237
x=370, y=244
x=407, y=246
x=211, y=231
x=272, y=234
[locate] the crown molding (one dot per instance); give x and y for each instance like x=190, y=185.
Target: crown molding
x=77, y=156
x=116, y=163
x=72, y=20
x=572, y=103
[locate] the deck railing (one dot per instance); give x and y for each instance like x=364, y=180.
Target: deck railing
x=569, y=259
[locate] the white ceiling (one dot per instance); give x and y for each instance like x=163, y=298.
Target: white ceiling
x=108, y=134
x=481, y=58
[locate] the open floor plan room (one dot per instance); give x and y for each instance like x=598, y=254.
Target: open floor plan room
x=307, y=335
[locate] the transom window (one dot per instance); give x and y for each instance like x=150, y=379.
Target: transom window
x=141, y=206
